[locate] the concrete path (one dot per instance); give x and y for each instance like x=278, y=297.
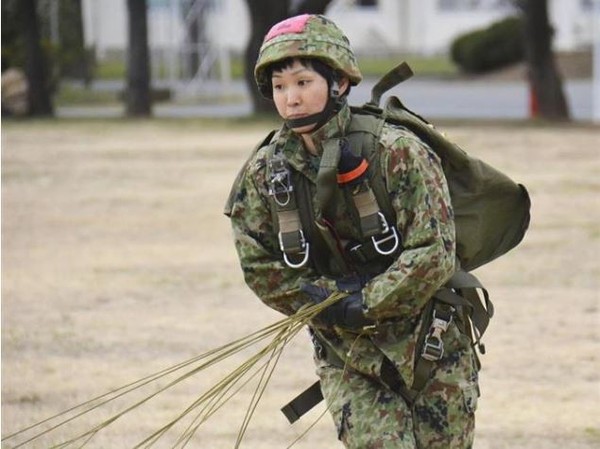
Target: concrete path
x=433, y=99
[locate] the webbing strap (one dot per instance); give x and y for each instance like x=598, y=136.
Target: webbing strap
x=289, y=227
x=368, y=212
x=302, y=403
x=291, y=237
x=460, y=291
x=364, y=137
x=327, y=175
x=444, y=301
x=328, y=236
x=424, y=365
x=398, y=74
x=422, y=373
x=467, y=286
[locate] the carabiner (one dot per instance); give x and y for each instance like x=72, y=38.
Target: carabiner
x=304, y=249
x=302, y=262
x=387, y=229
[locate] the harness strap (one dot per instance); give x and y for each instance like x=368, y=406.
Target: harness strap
x=438, y=314
x=467, y=287
x=328, y=235
x=363, y=136
x=289, y=227
x=368, y=211
x=302, y=403
x=327, y=174
x=292, y=241
x=310, y=397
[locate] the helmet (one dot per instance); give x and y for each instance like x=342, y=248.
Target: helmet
x=307, y=35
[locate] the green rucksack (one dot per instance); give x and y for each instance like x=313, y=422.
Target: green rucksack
x=492, y=212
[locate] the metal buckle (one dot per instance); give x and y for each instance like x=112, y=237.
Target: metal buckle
x=280, y=182
x=305, y=250
x=391, y=235
x=433, y=346
x=433, y=351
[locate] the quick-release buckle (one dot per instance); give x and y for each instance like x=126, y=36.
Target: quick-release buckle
x=388, y=233
x=280, y=182
x=433, y=346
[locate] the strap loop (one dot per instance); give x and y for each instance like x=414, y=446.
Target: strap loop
x=292, y=241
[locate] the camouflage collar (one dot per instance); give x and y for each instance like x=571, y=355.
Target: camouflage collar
x=335, y=127
x=293, y=148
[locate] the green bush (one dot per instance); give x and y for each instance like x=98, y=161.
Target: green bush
x=490, y=48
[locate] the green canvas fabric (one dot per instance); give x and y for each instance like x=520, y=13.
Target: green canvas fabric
x=491, y=211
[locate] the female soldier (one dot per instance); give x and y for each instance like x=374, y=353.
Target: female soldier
x=309, y=219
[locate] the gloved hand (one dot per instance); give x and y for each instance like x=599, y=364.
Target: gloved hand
x=347, y=312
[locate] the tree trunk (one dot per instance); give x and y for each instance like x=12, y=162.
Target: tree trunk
x=137, y=95
x=36, y=68
x=263, y=15
x=194, y=40
x=75, y=60
x=544, y=78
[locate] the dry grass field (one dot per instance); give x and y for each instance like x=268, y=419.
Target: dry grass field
x=117, y=262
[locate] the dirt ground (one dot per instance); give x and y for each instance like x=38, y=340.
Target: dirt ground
x=117, y=263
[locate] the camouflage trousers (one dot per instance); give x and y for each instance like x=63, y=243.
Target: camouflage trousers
x=368, y=415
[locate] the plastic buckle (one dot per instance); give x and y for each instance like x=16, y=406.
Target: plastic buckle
x=389, y=233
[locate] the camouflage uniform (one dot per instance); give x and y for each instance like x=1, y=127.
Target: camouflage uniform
x=367, y=413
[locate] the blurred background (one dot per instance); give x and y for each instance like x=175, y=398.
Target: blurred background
x=507, y=59
x=125, y=123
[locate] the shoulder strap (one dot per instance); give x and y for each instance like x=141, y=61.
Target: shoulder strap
x=364, y=133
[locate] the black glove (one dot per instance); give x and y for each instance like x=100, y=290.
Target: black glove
x=347, y=312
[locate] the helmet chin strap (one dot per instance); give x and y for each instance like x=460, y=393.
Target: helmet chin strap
x=332, y=106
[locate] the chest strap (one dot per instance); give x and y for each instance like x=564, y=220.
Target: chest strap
x=292, y=242
x=380, y=236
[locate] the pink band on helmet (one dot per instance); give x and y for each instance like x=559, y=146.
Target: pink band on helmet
x=292, y=25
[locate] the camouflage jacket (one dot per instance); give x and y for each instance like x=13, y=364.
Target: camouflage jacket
x=393, y=298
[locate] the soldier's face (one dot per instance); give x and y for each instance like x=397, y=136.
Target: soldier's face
x=299, y=91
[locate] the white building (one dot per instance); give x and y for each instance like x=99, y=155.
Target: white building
x=423, y=27
x=410, y=26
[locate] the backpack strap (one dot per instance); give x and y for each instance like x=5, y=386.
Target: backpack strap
x=364, y=134
x=376, y=214
x=480, y=308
